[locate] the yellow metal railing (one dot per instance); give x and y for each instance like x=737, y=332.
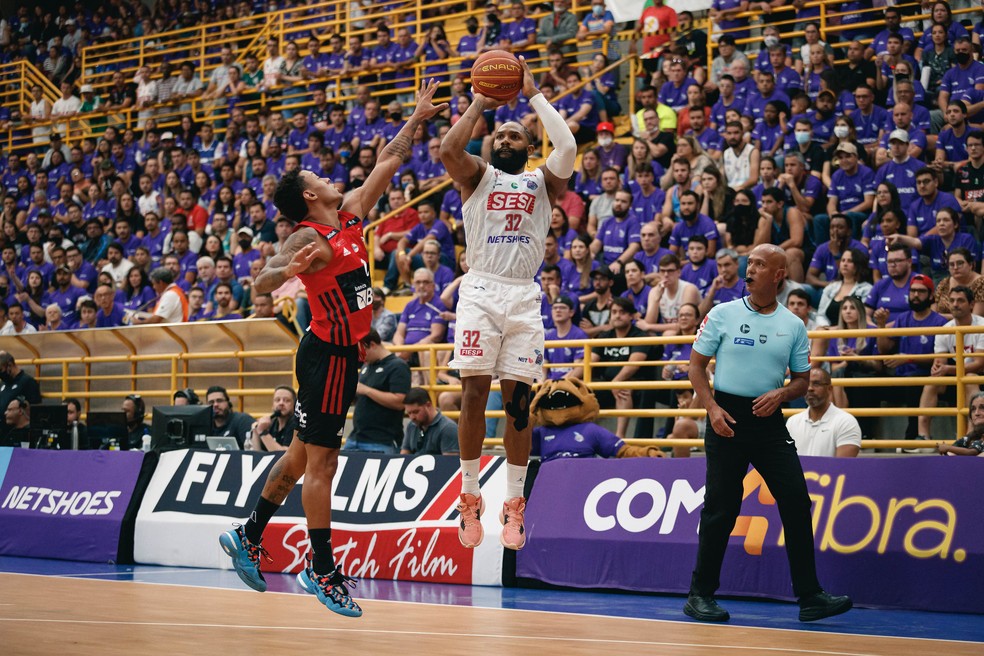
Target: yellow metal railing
x=16, y=81
x=218, y=110
x=102, y=366
x=959, y=412
x=201, y=43
x=829, y=21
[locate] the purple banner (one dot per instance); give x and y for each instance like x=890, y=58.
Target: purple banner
x=65, y=504
x=894, y=533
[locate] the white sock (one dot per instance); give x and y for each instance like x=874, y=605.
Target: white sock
x=515, y=480
x=470, y=470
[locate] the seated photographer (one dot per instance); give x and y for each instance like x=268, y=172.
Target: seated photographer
x=186, y=396
x=134, y=409
x=225, y=421
x=428, y=430
x=275, y=431
x=74, y=407
x=17, y=417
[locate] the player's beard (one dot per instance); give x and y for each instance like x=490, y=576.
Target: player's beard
x=513, y=163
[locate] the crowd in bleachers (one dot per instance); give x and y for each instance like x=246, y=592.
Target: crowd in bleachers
x=864, y=161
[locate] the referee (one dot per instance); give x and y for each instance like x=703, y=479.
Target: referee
x=755, y=340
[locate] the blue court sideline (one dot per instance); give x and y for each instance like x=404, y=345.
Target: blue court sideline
x=761, y=614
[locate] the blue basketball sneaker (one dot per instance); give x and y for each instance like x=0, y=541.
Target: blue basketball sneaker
x=330, y=590
x=245, y=557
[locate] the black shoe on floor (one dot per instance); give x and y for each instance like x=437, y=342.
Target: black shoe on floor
x=822, y=604
x=705, y=609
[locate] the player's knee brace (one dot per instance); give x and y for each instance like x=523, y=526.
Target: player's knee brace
x=518, y=407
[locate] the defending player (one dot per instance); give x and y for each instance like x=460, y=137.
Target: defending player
x=506, y=214
x=329, y=253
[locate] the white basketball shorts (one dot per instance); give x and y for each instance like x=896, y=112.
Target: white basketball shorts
x=498, y=329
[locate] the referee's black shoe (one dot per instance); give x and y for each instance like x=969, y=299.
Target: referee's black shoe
x=705, y=609
x=822, y=604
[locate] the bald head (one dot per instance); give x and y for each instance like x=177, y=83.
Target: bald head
x=766, y=269
x=773, y=254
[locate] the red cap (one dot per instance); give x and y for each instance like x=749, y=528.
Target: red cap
x=606, y=127
x=923, y=280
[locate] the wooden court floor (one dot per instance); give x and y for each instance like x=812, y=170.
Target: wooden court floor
x=53, y=615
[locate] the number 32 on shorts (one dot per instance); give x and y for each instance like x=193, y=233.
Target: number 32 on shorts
x=470, y=343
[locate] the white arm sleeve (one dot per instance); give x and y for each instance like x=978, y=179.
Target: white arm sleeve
x=560, y=161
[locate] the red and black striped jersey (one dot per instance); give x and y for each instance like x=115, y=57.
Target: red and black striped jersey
x=341, y=293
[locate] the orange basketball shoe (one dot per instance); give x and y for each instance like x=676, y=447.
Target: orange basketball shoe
x=470, y=531
x=512, y=517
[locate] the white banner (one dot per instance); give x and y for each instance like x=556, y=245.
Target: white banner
x=393, y=517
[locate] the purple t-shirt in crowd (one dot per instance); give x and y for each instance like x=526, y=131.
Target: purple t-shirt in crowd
x=616, y=157
x=650, y=263
x=563, y=355
x=640, y=300
x=616, y=236
x=673, y=96
x=923, y=215
x=438, y=231
x=828, y=263
x=885, y=294
x=917, y=344
x=683, y=231
x=850, y=190
x=418, y=318
x=903, y=176
x=702, y=276
x=506, y=113
x=727, y=294
x=939, y=253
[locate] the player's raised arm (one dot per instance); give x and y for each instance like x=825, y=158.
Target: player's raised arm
x=559, y=166
x=464, y=168
x=363, y=199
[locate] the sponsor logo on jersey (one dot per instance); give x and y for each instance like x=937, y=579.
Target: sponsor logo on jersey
x=508, y=239
x=504, y=200
x=532, y=186
x=744, y=341
x=473, y=352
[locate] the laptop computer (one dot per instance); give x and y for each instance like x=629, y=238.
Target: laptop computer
x=218, y=443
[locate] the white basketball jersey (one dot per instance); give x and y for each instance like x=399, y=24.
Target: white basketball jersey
x=506, y=222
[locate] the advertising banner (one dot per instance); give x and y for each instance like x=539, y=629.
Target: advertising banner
x=65, y=504
x=902, y=533
x=393, y=517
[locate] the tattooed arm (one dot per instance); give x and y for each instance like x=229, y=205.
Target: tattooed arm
x=363, y=199
x=300, y=251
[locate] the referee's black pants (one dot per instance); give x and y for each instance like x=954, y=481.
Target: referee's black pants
x=765, y=443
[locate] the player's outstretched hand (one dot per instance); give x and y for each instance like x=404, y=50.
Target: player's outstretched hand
x=425, y=101
x=529, y=84
x=302, y=259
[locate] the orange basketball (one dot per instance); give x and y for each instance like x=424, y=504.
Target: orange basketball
x=497, y=74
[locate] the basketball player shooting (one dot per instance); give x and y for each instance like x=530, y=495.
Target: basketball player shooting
x=506, y=214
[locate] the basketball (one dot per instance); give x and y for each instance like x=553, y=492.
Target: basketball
x=497, y=74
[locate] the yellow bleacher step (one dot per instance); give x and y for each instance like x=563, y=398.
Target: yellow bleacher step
x=397, y=303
